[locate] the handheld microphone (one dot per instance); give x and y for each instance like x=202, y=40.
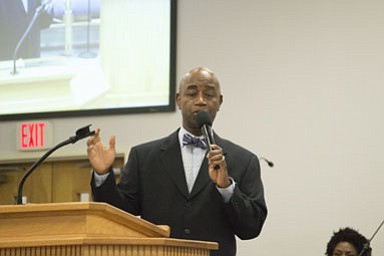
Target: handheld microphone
x=204, y=121
x=80, y=134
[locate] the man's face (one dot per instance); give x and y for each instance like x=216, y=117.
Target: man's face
x=199, y=90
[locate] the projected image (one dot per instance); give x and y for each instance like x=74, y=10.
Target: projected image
x=86, y=57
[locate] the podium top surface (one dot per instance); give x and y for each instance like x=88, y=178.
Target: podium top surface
x=97, y=219
x=69, y=224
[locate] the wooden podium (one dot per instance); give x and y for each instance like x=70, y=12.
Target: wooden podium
x=87, y=229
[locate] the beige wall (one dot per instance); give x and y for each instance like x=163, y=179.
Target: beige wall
x=302, y=83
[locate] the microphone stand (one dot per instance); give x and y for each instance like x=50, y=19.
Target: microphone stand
x=366, y=245
x=38, y=11
x=80, y=134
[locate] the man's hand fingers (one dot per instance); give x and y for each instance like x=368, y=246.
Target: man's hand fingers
x=94, y=138
x=112, y=142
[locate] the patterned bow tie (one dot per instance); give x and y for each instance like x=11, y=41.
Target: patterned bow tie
x=197, y=142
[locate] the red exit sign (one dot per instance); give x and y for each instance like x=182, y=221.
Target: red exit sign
x=34, y=135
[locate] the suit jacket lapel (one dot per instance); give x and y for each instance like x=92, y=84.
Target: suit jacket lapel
x=172, y=162
x=203, y=177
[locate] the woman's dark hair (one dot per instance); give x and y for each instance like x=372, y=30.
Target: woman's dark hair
x=351, y=236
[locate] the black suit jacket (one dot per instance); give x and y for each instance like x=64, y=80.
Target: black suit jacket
x=153, y=185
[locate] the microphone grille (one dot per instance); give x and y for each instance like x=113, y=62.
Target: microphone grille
x=203, y=118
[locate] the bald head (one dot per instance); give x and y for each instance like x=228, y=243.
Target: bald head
x=200, y=74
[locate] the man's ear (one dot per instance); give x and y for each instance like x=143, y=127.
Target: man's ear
x=178, y=100
x=221, y=102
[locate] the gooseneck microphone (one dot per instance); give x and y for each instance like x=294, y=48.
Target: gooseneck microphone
x=80, y=134
x=269, y=163
x=38, y=11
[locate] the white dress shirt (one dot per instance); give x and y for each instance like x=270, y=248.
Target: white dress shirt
x=25, y=4
x=192, y=159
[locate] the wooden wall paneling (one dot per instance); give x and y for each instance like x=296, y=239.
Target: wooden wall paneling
x=37, y=187
x=70, y=178
x=8, y=188
x=60, y=180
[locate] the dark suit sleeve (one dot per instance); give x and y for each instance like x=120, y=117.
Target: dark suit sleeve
x=125, y=195
x=247, y=210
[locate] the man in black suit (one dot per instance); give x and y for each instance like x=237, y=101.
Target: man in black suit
x=15, y=17
x=202, y=194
